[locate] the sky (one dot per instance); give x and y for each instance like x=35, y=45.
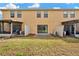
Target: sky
x=39, y=5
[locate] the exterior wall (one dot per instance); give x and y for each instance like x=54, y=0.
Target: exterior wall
x=76, y=15
x=53, y=21
x=55, y=17
x=6, y=14
x=7, y=27
x=77, y=27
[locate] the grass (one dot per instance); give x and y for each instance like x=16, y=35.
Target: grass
x=37, y=46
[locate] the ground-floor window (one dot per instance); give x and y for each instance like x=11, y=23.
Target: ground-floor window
x=42, y=28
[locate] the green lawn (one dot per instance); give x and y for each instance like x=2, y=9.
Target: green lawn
x=36, y=46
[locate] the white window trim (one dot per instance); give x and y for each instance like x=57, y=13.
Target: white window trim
x=17, y=14
x=37, y=13
x=46, y=12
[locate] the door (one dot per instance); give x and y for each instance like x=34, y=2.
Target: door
x=27, y=30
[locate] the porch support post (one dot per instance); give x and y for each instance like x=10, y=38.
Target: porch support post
x=11, y=28
x=74, y=29
x=70, y=29
x=1, y=27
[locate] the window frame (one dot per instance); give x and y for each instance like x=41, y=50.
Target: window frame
x=19, y=14
x=65, y=14
x=72, y=14
x=45, y=14
x=42, y=28
x=12, y=13
x=38, y=14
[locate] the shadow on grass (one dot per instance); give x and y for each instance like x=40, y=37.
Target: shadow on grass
x=71, y=39
x=39, y=37
x=66, y=39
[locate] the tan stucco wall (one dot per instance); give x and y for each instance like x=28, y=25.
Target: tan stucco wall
x=6, y=14
x=55, y=17
x=6, y=27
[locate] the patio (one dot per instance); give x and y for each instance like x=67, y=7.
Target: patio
x=71, y=27
x=9, y=27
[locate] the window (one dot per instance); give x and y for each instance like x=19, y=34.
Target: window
x=12, y=14
x=65, y=14
x=42, y=28
x=72, y=14
x=38, y=14
x=19, y=15
x=45, y=14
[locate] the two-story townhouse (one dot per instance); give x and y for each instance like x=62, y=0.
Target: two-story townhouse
x=40, y=21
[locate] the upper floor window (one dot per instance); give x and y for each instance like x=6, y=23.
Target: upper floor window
x=12, y=14
x=38, y=14
x=19, y=14
x=72, y=14
x=65, y=14
x=46, y=14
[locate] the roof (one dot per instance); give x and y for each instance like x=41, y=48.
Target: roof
x=71, y=22
x=10, y=21
x=39, y=9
